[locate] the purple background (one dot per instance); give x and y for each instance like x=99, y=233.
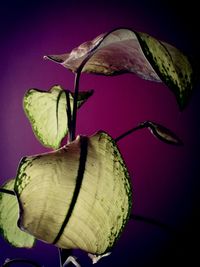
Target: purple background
x=165, y=178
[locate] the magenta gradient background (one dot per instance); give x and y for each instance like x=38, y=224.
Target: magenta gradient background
x=164, y=178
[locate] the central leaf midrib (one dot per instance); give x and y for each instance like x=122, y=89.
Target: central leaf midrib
x=79, y=179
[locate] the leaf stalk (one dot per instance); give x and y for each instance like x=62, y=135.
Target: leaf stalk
x=6, y=191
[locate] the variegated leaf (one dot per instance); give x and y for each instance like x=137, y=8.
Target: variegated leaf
x=124, y=50
x=47, y=113
x=9, y=215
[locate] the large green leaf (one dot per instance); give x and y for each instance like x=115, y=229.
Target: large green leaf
x=125, y=50
x=78, y=196
x=9, y=214
x=47, y=113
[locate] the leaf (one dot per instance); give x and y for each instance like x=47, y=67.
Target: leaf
x=124, y=50
x=9, y=214
x=47, y=113
x=171, y=65
x=163, y=133
x=78, y=196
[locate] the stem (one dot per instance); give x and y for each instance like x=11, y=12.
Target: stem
x=153, y=222
x=74, y=114
x=69, y=115
x=140, y=126
x=63, y=255
x=8, y=262
x=6, y=191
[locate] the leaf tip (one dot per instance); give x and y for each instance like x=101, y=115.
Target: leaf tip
x=54, y=58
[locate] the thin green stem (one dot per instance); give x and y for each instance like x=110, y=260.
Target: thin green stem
x=140, y=126
x=8, y=263
x=6, y=191
x=74, y=114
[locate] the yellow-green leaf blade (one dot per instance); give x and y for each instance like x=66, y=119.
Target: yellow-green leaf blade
x=91, y=173
x=9, y=214
x=47, y=113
